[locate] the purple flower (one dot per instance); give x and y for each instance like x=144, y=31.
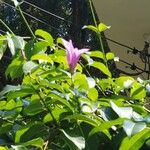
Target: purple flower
x=73, y=54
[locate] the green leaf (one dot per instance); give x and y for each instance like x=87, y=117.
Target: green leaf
x=120, y=82
x=2, y=148
x=78, y=77
x=106, y=83
x=10, y=105
x=78, y=141
x=29, y=66
x=45, y=35
x=3, y=46
x=14, y=43
x=97, y=54
x=60, y=100
x=19, y=42
x=29, y=132
x=136, y=141
x=11, y=44
x=91, y=82
x=106, y=125
x=138, y=91
x=39, y=46
x=93, y=94
x=16, y=3
x=110, y=56
x=43, y=57
x=9, y=88
x=38, y=142
x=34, y=108
x=5, y=128
x=102, y=68
x=15, y=68
x=24, y=91
x=132, y=128
x=90, y=27
x=122, y=112
x=18, y=147
x=102, y=27
x=57, y=111
x=83, y=118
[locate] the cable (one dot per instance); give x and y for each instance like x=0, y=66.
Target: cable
x=134, y=67
x=2, y=31
x=41, y=21
x=52, y=14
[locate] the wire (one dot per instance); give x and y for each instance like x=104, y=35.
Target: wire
x=133, y=50
x=39, y=20
x=52, y=14
x=132, y=65
x=2, y=31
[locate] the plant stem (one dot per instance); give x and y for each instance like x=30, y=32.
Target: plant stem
x=82, y=133
x=27, y=24
x=6, y=26
x=49, y=110
x=99, y=35
x=43, y=101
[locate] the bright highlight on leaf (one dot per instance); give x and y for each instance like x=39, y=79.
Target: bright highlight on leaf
x=102, y=27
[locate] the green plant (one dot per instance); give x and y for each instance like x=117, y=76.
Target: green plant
x=58, y=106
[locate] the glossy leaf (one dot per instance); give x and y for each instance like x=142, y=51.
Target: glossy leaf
x=38, y=142
x=102, y=68
x=15, y=68
x=45, y=35
x=9, y=88
x=138, y=91
x=106, y=125
x=3, y=46
x=82, y=118
x=93, y=94
x=102, y=27
x=91, y=27
x=110, y=56
x=96, y=54
x=122, y=112
x=132, y=128
x=42, y=57
x=78, y=141
x=136, y=141
x=29, y=66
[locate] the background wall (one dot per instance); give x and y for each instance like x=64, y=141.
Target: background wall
x=130, y=25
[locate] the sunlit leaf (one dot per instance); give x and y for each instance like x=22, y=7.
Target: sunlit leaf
x=93, y=94
x=3, y=45
x=15, y=68
x=42, y=57
x=110, y=56
x=132, y=128
x=123, y=112
x=90, y=27
x=138, y=91
x=135, y=142
x=9, y=88
x=78, y=141
x=102, y=27
x=106, y=125
x=29, y=66
x=45, y=35
x=97, y=54
x=38, y=142
x=102, y=68
x=83, y=118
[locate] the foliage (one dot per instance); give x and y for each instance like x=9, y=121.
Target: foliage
x=57, y=107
